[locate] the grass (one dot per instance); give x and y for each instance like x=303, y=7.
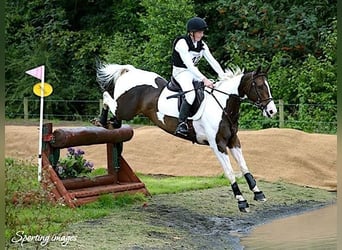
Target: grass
x=124, y=211
x=172, y=184
x=40, y=217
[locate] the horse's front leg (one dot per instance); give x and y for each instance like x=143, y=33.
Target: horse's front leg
x=229, y=173
x=236, y=151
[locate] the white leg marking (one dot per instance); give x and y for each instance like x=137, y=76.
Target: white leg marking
x=238, y=156
x=225, y=162
x=109, y=101
x=161, y=117
x=240, y=198
x=256, y=189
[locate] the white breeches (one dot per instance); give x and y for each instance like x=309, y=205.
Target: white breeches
x=185, y=78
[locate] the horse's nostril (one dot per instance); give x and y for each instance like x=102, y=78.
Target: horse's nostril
x=271, y=112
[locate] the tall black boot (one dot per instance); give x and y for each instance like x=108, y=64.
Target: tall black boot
x=184, y=112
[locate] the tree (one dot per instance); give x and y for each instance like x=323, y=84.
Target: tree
x=163, y=21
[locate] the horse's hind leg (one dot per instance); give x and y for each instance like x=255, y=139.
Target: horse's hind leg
x=236, y=151
x=104, y=115
x=109, y=103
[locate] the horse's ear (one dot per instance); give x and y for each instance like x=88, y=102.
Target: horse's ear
x=258, y=70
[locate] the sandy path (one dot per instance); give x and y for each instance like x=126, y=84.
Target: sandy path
x=271, y=154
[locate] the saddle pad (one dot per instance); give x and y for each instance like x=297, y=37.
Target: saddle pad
x=169, y=107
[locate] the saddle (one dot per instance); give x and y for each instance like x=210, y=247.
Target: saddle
x=174, y=86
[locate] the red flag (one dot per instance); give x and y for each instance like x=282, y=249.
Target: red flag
x=36, y=72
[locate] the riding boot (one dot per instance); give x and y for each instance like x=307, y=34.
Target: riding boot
x=184, y=112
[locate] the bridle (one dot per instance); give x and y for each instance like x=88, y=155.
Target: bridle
x=258, y=103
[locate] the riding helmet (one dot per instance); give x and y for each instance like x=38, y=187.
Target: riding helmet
x=196, y=24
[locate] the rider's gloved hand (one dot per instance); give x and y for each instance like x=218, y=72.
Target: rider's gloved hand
x=208, y=83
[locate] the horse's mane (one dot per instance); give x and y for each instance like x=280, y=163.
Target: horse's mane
x=107, y=74
x=231, y=72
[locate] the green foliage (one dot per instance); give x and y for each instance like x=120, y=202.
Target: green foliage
x=28, y=208
x=97, y=172
x=266, y=27
x=297, y=38
x=310, y=84
x=124, y=49
x=73, y=165
x=162, y=23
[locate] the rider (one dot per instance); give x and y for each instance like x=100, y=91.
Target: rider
x=187, y=51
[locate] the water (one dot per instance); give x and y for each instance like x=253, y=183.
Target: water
x=312, y=230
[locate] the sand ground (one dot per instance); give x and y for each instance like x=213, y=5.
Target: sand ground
x=272, y=154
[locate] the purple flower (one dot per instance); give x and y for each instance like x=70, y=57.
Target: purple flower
x=89, y=165
x=79, y=152
x=60, y=170
x=74, y=164
x=71, y=151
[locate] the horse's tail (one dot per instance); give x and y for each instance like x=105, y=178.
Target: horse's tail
x=107, y=74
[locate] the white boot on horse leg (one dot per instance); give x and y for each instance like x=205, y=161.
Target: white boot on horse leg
x=238, y=156
x=109, y=101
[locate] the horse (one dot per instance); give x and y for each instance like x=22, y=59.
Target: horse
x=129, y=91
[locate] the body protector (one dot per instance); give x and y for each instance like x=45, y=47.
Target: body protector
x=196, y=52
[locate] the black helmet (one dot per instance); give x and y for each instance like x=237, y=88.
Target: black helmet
x=196, y=24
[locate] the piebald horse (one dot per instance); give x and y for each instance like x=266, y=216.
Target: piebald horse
x=129, y=91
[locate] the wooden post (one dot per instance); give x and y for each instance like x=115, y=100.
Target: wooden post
x=281, y=114
x=25, y=108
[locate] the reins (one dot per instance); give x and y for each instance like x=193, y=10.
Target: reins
x=222, y=92
x=257, y=103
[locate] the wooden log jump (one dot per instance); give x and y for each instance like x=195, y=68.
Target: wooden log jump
x=72, y=137
x=120, y=178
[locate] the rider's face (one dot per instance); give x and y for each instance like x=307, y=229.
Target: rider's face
x=198, y=35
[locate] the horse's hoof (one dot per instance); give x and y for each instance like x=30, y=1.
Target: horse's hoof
x=243, y=206
x=259, y=196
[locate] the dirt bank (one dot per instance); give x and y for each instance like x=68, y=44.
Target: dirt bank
x=271, y=154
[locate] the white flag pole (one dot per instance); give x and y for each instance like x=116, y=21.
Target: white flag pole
x=41, y=125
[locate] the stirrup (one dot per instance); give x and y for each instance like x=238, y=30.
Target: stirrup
x=182, y=129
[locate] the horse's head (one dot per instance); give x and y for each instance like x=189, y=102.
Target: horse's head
x=254, y=85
